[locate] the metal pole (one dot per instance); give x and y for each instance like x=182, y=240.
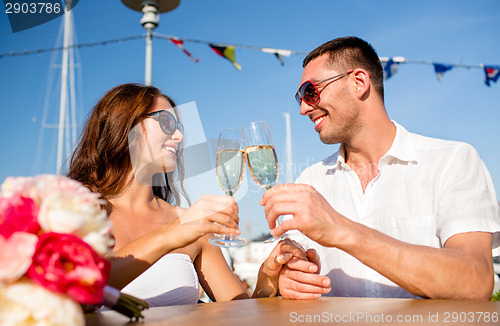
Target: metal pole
x=149, y=57
x=64, y=90
x=289, y=164
x=149, y=21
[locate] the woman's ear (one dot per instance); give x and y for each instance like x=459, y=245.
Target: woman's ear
x=145, y=132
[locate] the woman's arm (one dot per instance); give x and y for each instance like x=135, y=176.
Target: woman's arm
x=216, y=276
x=210, y=214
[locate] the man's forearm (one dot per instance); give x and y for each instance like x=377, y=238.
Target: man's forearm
x=461, y=270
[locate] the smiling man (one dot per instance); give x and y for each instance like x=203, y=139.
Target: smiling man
x=392, y=213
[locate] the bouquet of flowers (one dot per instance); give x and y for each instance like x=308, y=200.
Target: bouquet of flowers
x=54, y=241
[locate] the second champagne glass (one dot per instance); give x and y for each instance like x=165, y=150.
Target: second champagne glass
x=230, y=169
x=261, y=158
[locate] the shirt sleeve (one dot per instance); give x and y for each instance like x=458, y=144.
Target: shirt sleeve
x=467, y=198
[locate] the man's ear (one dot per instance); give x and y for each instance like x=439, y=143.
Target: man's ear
x=361, y=82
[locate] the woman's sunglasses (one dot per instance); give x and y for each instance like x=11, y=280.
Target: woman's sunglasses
x=308, y=91
x=167, y=121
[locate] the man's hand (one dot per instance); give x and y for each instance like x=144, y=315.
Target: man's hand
x=299, y=279
x=312, y=214
x=292, y=271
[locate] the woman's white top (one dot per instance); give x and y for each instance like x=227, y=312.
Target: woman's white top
x=172, y=280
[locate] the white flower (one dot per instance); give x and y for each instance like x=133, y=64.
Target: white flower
x=77, y=214
x=23, y=186
x=24, y=303
x=48, y=184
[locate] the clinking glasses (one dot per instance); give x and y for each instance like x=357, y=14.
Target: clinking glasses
x=308, y=91
x=167, y=121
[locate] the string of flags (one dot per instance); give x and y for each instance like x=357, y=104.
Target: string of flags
x=391, y=66
x=227, y=51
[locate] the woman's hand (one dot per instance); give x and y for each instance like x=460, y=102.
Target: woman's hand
x=210, y=214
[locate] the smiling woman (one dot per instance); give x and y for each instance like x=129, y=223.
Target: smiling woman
x=103, y=154
x=131, y=153
x=154, y=142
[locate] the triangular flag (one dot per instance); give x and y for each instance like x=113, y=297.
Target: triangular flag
x=226, y=52
x=180, y=45
x=440, y=69
x=279, y=53
x=280, y=58
x=492, y=73
x=390, y=67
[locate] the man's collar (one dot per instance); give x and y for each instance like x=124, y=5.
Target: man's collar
x=401, y=149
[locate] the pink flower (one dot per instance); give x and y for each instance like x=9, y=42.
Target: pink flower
x=15, y=255
x=64, y=263
x=18, y=213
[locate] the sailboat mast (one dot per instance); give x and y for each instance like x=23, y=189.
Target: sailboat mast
x=289, y=163
x=63, y=100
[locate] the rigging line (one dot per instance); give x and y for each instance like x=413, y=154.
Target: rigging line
x=454, y=65
x=60, y=48
x=189, y=40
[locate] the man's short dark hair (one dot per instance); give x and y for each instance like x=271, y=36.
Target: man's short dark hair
x=350, y=52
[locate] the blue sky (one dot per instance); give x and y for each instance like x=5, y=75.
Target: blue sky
x=460, y=107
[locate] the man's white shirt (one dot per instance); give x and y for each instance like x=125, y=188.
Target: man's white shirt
x=426, y=191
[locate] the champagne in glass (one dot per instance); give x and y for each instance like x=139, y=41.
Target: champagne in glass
x=261, y=158
x=230, y=170
x=263, y=165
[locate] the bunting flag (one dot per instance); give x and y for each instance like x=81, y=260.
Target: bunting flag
x=226, y=52
x=180, y=44
x=492, y=73
x=278, y=53
x=440, y=69
x=390, y=67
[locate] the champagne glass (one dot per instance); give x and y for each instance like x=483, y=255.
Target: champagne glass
x=261, y=158
x=230, y=170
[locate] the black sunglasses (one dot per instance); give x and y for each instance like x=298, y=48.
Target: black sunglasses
x=308, y=91
x=167, y=121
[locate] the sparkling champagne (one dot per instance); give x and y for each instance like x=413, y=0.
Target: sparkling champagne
x=230, y=169
x=263, y=164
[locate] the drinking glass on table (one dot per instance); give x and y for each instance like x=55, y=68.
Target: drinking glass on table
x=230, y=170
x=261, y=158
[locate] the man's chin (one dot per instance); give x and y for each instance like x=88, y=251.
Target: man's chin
x=328, y=140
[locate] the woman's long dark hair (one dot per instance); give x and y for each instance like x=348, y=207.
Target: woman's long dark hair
x=102, y=158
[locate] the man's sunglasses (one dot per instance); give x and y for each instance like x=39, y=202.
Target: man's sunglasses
x=308, y=91
x=167, y=121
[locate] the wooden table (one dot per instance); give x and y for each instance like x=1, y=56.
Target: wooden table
x=323, y=311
